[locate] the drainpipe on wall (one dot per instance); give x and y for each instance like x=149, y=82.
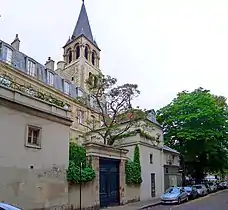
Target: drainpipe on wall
x=162, y=170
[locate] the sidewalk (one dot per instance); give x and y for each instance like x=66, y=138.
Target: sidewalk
x=140, y=205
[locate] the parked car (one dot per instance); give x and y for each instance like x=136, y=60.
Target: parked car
x=209, y=190
x=191, y=191
x=213, y=186
x=174, y=195
x=5, y=206
x=201, y=189
x=223, y=185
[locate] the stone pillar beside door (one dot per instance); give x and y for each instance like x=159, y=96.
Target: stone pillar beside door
x=122, y=182
x=95, y=165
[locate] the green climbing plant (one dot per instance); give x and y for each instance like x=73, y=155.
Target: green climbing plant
x=77, y=156
x=141, y=133
x=133, y=168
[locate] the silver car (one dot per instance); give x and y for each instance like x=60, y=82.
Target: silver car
x=201, y=189
x=213, y=186
x=174, y=195
x=5, y=206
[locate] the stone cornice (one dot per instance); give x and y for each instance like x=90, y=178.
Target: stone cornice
x=27, y=104
x=140, y=143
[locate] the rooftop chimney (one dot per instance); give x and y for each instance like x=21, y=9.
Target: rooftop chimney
x=16, y=43
x=61, y=65
x=50, y=64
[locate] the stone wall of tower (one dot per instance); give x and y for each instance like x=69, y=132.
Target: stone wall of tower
x=79, y=68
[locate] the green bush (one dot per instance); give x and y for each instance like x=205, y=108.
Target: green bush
x=77, y=155
x=133, y=169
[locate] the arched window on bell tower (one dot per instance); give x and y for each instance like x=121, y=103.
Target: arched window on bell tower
x=77, y=51
x=69, y=56
x=86, y=53
x=94, y=58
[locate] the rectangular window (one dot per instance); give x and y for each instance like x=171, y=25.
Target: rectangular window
x=50, y=78
x=31, y=68
x=80, y=116
x=33, y=138
x=151, y=158
x=8, y=55
x=79, y=93
x=66, y=88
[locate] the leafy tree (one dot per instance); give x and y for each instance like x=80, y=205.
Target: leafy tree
x=196, y=124
x=113, y=105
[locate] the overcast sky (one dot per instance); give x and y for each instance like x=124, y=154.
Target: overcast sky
x=165, y=46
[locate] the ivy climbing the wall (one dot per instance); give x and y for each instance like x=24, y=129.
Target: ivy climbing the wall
x=77, y=156
x=133, y=168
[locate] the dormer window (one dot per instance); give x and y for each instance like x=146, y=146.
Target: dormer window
x=31, y=68
x=86, y=54
x=8, y=54
x=79, y=93
x=66, y=87
x=50, y=78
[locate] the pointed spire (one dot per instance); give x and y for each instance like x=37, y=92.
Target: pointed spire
x=83, y=27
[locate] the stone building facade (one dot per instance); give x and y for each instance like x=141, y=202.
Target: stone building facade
x=172, y=177
x=34, y=149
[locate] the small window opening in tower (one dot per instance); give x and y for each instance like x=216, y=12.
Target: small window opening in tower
x=90, y=78
x=69, y=56
x=72, y=78
x=93, y=58
x=86, y=52
x=77, y=51
x=95, y=81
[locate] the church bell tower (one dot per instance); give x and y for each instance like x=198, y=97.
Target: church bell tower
x=81, y=53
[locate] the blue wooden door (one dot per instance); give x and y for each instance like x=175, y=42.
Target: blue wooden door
x=109, y=182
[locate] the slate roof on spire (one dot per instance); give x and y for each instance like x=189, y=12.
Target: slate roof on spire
x=83, y=27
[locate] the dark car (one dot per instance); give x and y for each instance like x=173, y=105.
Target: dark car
x=191, y=191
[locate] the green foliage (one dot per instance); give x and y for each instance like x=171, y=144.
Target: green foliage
x=141, y=133
x=133, y=169
x=114, y=105
x=77, y=156
x=195, y=123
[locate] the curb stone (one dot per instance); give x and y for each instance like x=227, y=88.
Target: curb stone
x=149, y=205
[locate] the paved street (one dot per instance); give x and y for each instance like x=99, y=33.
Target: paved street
x=217, y=201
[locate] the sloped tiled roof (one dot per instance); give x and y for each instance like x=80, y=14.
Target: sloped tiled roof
x=83, y=26
x=170, y=149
